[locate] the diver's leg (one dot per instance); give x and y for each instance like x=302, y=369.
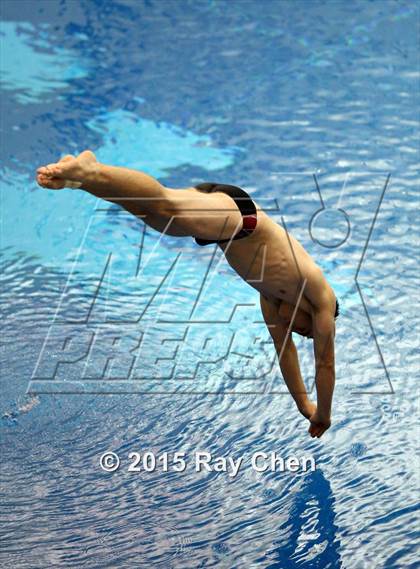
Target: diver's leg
x=176, y=211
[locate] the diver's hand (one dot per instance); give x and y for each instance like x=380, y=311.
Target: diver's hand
x=307, y=409
x=319, y=424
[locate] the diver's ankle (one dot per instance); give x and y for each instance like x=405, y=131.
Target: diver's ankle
x=93, y=173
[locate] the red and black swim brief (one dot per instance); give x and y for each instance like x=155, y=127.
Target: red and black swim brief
x=243, y=201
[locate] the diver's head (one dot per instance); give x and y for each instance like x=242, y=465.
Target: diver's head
x=302, y=323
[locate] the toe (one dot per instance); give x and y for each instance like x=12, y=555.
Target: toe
x=53, y=170
x=50, y=183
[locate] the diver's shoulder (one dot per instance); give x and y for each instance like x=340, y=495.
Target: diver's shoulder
x=318, y=284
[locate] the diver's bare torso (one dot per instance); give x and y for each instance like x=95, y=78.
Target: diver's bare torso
x=269, y=259
x=273, y=262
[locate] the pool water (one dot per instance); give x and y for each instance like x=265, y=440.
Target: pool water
x=115, y=338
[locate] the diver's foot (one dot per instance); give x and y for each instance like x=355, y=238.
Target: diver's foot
x=68, y=172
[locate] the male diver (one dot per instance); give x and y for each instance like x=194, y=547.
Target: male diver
x=294, y=294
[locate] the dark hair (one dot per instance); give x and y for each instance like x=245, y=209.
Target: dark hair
x=337, y=309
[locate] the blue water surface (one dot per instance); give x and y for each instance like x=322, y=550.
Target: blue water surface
x=312, y=107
